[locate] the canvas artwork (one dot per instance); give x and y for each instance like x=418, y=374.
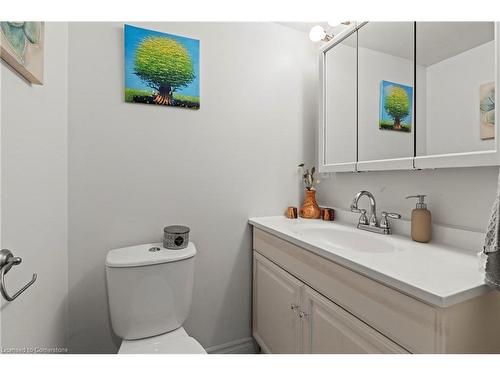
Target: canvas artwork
x=487, y=110
x=161, y=69
x=22, y=47
x=396, y=106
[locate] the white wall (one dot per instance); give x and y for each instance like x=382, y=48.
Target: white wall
x=460, y=197
x=452, y=99
x=135, y=168
x=34, y=198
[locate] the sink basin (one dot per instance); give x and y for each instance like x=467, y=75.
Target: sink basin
x=346, y=239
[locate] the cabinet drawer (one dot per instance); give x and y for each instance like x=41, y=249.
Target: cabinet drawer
x=408, y=322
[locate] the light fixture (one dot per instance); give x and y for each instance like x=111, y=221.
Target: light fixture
x=317, y=33
x=338, y=23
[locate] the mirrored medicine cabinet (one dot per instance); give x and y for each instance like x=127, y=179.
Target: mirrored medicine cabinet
x=409, y=95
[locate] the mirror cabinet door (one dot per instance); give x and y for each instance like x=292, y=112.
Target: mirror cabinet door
x=386, y=95
x=455, y=88
x=339, y=107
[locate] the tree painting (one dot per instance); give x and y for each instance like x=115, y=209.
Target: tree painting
x=161, y=69
x=395, y=106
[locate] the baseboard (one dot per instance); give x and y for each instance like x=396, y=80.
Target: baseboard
x=241, y=346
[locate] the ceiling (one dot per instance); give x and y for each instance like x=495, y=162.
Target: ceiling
x=436, y=41
x=304, y=26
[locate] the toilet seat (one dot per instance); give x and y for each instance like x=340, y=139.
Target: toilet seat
x=175, y=342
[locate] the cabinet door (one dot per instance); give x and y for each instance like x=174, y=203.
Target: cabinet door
x=456, y=78
x=276, y=325
x=327, y=328
x=386, y=129
x=337, y=134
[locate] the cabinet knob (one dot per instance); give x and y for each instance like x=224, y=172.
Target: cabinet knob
x=294, y=307
x=303, y=315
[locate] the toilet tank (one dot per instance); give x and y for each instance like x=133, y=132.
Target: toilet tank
x=149, y=289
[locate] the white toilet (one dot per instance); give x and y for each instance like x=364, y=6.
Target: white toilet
x=149, y=296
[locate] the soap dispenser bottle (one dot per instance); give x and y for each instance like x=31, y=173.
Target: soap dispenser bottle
x=420, y=220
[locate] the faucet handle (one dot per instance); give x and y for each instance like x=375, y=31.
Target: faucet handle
x=363, y=219
x=392, y=215
x=384, y=223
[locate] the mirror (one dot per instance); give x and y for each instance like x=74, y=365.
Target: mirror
x=385, y=92
x=409, y=95
x=456, y=86
x=340, y=105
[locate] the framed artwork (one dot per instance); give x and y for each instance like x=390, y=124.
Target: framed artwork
x=22, y=47
x=161, y=69
x=487, y=110
x=396, y=106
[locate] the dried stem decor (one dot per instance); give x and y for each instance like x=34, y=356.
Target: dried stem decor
x=308, y=177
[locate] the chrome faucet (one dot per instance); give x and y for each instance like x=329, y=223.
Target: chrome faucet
x=373, y=208
x=372, y=224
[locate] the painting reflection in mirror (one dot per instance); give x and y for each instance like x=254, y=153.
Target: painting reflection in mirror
x=487, y=110
x=396, y=103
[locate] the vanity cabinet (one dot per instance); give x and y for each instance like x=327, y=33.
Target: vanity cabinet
x=304, y=303
x=289, y=318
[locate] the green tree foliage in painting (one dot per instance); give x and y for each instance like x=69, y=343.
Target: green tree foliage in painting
x=165, y=65
x=397, y=105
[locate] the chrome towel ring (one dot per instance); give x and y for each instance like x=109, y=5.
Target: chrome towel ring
x=7, y=261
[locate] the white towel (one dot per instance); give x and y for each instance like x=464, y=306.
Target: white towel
x=491, y=244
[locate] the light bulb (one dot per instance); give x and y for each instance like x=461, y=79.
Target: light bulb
x=317, y=33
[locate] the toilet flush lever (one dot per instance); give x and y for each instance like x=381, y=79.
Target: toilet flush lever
x=7, y=261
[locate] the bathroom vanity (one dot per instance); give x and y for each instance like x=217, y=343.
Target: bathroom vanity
x=321, y=287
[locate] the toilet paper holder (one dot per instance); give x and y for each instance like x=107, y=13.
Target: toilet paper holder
x=7, y=261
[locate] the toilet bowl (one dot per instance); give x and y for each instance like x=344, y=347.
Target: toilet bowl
x=175, y=342
x=149, y=296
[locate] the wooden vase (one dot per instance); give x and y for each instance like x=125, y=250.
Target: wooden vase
x=310, y=209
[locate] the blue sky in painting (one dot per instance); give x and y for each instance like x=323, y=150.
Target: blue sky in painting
x=385, y=86
x=134, y=36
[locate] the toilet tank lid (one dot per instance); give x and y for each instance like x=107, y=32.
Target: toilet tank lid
x=147, y=254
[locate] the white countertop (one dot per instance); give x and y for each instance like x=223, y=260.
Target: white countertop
x=438, y=274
